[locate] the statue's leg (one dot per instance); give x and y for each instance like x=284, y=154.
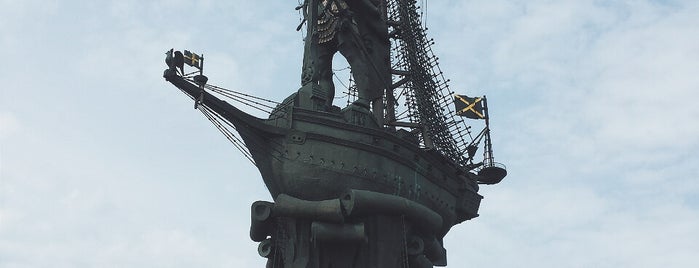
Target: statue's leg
x=364, y=71
x=324, y=72
x=354, y=55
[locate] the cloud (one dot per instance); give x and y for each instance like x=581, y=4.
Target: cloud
x=105, y=164
x=593, y=113
x=9, y=125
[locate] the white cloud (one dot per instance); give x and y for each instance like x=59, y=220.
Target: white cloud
x=594, y=116
x=105, y=164
x=9, y=124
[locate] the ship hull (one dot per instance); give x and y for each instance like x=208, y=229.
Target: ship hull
x=317, y=155
x=323, y=155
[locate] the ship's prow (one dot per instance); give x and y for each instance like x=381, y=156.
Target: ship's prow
x=317, y=154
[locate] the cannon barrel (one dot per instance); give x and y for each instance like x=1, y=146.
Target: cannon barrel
x=325, y=210
x=260, y=222
x=360, y=203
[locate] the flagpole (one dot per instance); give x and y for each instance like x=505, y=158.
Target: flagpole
x=489, y=159
x=200, y=66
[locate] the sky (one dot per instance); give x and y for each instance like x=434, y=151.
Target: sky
x=105, y=164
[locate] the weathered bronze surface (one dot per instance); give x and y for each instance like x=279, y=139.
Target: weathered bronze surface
x=359, y=32
x=351, y=189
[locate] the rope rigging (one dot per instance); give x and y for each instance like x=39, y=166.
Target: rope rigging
x=224, y=126
x=237, y=142
x=419, y=80
x=217, y=122
x=243, y=98
x=422, y=85
x=422, y=94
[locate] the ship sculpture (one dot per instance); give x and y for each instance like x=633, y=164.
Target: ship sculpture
x=378, y=183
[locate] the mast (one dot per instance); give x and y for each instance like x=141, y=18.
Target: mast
x=488, y=160
x=427, y=94
x=378, y=105
x=492, y=172
x=390, y=108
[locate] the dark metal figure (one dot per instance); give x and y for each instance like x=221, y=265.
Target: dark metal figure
x=357, y=30
x=350, y=192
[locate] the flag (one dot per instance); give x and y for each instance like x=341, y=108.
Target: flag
x=469, y=107
x=192, y=59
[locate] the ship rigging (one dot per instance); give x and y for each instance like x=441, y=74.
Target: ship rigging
x=401, y=148
x=419, y=98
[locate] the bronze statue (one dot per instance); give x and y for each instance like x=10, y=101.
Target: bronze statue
x=350, y=187
x=356, y=29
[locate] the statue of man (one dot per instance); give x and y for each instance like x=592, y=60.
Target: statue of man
x=359, y=32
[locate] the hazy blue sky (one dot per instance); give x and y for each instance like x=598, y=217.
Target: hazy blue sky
x=105, y=164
